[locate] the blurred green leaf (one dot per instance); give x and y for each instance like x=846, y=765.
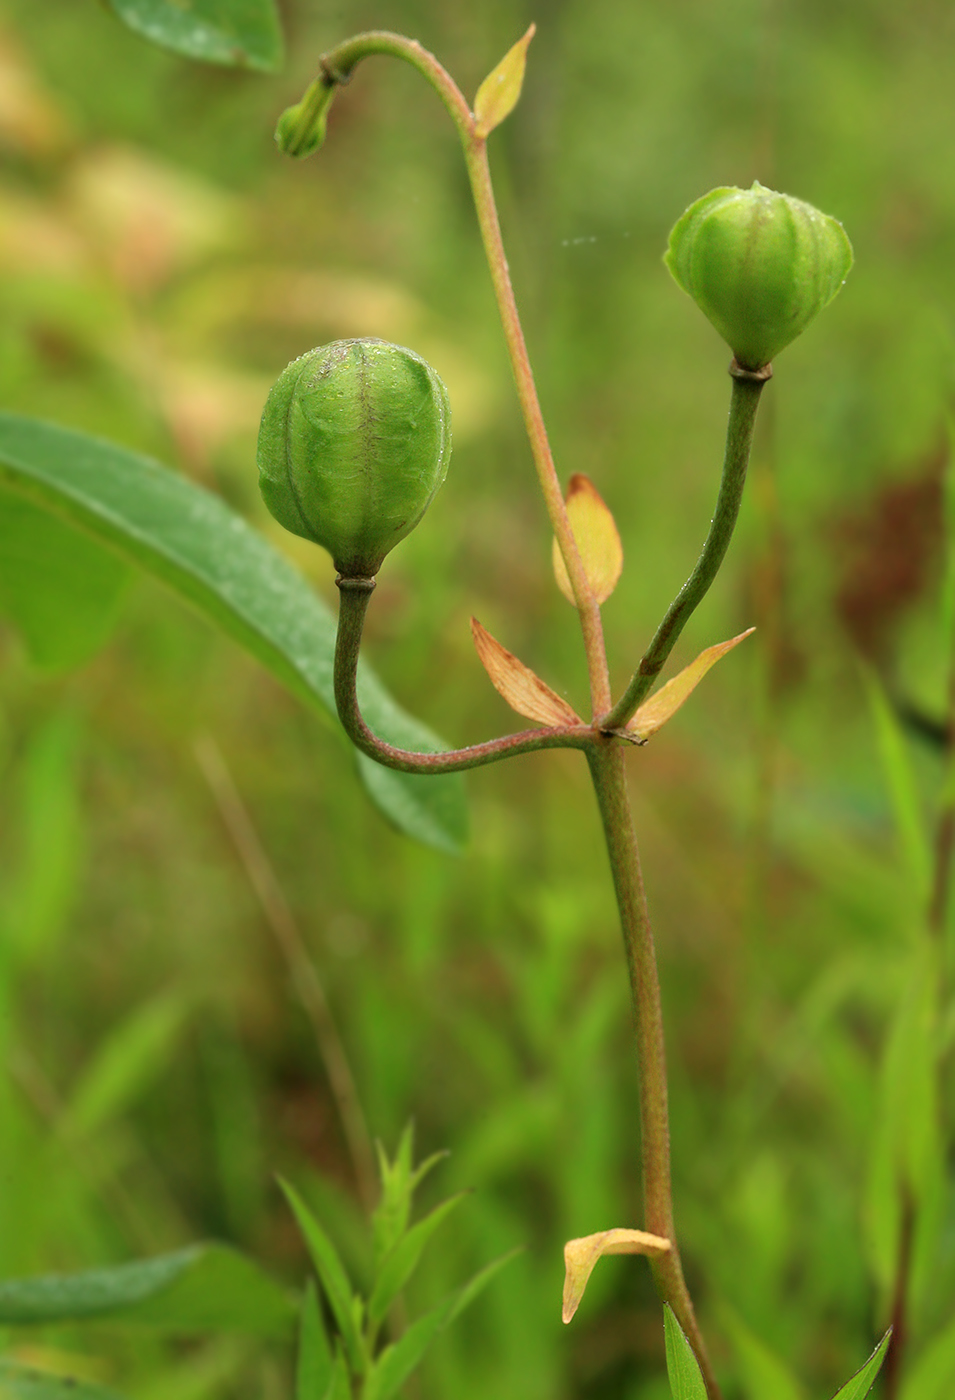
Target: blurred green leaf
x=210, y=557
x=683, y=1369
x=762, y=1372
x=932, y=1375
x=400, y=1263
x=22, y=1383
x=861, y=1383
x=42, y=885
x=902, y=789
x=334, y=1280
x=206, y=1286
x=907, y=1149
x=57, y=586
x=237, y=33
x=133, y=1054
x=313, y=1373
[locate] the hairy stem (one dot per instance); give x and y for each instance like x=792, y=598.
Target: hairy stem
x=744, y=401
x=337, y=66
x=610, y=783
x=355, y=595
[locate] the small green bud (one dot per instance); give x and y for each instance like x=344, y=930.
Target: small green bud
x=301, y=129
x=760, y=265
x=354, y=443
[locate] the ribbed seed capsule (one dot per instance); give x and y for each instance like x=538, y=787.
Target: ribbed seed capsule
x=759, y=265
x=354, y=443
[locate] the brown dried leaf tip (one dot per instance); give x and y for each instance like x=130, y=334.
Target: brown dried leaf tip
x=498, y=95
x=524, y=691
x=581, y=1255
x=664, y=703
x=598, y=541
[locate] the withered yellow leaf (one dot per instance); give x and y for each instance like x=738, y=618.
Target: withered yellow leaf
x=521, y=688
x=665, y=702
x=498, y=94
x=581, y=1255
x=598, y=541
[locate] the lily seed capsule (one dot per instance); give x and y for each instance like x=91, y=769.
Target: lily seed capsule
x=354, y=443
x=759, y=265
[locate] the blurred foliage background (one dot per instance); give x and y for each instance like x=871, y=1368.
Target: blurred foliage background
x=159, y=265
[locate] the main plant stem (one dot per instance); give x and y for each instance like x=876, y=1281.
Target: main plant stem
x=610, y=783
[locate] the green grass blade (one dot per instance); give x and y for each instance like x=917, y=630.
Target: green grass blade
x=402, y=1259
x=313, y=1371
x=210, y=557
x=333, y=1278
x=861, y=1383
x=22, y=1383
x=683, y=1369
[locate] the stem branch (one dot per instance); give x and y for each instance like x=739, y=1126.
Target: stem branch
x=744, y=401
x=355, y=595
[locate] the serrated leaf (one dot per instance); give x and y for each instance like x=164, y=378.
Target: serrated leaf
x=313, y=1370
x=862, y=1382
x=59, y=589
x=524, y=691
x=333, y=1278
x=581, y=1255
x=683, y=1369
x=236, y=33
x=401, y=1261
x=207, y=1286
x=597, y=539
x=24, y=1383
x=498, y=95
x=664, y=703
x=213, y=560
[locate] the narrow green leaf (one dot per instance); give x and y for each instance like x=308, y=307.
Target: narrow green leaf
x=210, y=557
x=402, y=1260
x=339, y=1386
x=683, y=1369
x=22, y=1383
x=396, y=1362
x=59, y=589
x=124, y=1064
x=205, y=1287
x=861, y=1383
x=313, y=1372
x=900, y=782
x=333, y=1278
x=236, y=33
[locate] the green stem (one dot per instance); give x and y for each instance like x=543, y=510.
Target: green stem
x=355, y=595
x=337, y=66
x=610, y=783
x=744, y=401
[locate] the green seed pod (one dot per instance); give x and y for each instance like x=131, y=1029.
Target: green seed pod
x=760, y=265
x=354, y=443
